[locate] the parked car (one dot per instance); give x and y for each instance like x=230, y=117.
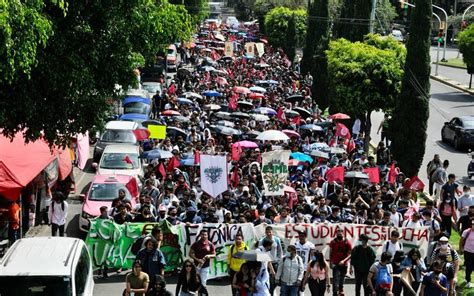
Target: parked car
x=120, y=159
x=103, y=190
x=459, y=131
x=47, y=266
x=152, y=87
x=116, y=132
x=398, y=35
x=232, y=22
x=172, y=58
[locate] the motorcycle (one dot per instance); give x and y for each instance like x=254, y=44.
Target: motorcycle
x=470, y=166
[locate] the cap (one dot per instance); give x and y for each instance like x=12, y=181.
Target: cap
x=444, y=239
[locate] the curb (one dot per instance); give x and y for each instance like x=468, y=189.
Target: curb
x=448, y=65
x=453, y=84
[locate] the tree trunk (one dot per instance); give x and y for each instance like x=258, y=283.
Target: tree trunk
x=368, y=127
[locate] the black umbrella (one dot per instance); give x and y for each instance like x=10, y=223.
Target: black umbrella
x=294, y=98
x=228, y=131
x=240, y=115
x=174, y=131
x=245, y=104
x=253, y=255
x=184, y=71
x=291, y=113
x=303, y=112
x=152, y=122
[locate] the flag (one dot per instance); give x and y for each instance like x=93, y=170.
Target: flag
x=127, y=159
x=342, y=131
x=296, y=120
x=236, y=152
x=275, y=171
x=350, y=146
x=281, y=115
x=235, y=180
x=214, y=55
x=132, y=187
x=335, y=174
x=161, y=170
x=373, y=173
x=197, y=157
x=141, y=134
x=172, y=164
x=213, y=174
x=414, y=184
x=172, y=89
x=392, y=174
x=233, y=101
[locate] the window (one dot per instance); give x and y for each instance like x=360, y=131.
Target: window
x=82, y=272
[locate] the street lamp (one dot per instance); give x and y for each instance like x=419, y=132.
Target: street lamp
x=445, y=31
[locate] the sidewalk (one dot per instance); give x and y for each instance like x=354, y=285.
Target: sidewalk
x=451, y=76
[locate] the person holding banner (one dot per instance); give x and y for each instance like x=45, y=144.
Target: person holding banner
x=201, y=252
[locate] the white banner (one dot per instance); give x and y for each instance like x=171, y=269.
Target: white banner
x=250, y=48
x=275, y=171
x=229, y=49
x=322, y=234
x=213, y=174
x=260, y=48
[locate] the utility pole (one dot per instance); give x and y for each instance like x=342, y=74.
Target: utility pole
x=372, y=16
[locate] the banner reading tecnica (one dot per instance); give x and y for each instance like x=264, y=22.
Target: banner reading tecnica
x=111, y=243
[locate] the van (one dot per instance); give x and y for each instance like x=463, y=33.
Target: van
x=172, y=57
x=49, y=266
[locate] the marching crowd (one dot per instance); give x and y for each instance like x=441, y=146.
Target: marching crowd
x=172, y=189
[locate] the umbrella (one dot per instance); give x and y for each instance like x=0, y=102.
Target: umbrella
x=184, y=71
x=241, y=90
x=262, y=65
x=291, y=134
x=185, y=101
x=246, y=144
x=356, y=175
x=301, y=157
x=211, y=93
x=240, y=115
x=212, y=107
x=260, y=117
x=320, y=154
x=258, y=89
x=294, y=162
x=335, y=150
x=272, y=135
x=187, y=162
x=303, y=112
x=311, y=127
x=225, y=123
x=294, y=98
x=181, y=118
x=192, y=95
x=221, y=81
x=265, y=111
x=253, y=134
x=245, y=104
x=220, y=72
x=174, y=131
x=340, y=116
x=255, y=96
x=272, y=82
x=151, y=121
x=253, y=255
x=223, y=115
x=156, y=153
x=170, y=113
x=226, y=59
x=289, y=189
x=208, y=68
x=228, y=131
x=291, y=113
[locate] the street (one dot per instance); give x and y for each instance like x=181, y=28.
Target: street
x=445, y=103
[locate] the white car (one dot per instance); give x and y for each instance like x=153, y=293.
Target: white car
x=47, y=266
x=397, y=34
x=116, y=132
x=120, y=160
x=232, y=22
x=152, y=88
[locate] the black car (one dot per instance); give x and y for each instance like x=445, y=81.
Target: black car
x=459, y=131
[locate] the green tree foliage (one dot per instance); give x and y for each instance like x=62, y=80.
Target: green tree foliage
x=93, y=48
x=365, y=77
x=197, y=9
x=290, y=46
x=276, y=25
x=361, y=17
x=314, y=56
x=412, y=107
x=385, y=13
x=466, y=45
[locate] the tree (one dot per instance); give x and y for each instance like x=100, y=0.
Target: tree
x=290, y=46
x=343, y=24
x=276, y=25
x=197, y=9
x=412, y=106
x=385, y=13
x=94, y=47
x=314, y=56
x=365, y=77
x=466, y=46
x=361, y=17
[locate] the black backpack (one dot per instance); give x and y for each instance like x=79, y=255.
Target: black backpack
x=137, y=245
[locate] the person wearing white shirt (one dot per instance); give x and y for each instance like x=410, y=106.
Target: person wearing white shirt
x=57, y=214
x=393, y=245
x=465, y=201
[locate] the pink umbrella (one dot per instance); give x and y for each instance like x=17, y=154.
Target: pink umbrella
x=289, y=189
x=246, y=144
x=291, y=134
x=255, y=96
x=340, y=116
x=221, y=81
x=170, y=113
x=241, y=90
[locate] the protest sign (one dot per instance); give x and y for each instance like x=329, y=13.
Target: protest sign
x=213, y=170
x=275, y=171
x=229, y=49
x=157, y=131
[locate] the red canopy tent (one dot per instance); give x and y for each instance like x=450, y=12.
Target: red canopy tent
x=20, y=163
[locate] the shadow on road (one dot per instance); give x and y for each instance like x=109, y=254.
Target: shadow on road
x=72, y=229
x=448, y=147
x=454, y=96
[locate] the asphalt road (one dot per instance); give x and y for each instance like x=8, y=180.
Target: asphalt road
x=456, y=74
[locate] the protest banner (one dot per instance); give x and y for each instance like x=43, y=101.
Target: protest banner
x=111, y=243
x=322, y=234
x=260, y=48
x=229, y=49
x=275, y=171
x=213, y=170
x=250, y=49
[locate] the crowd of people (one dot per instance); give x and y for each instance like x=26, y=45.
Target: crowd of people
x=228, y=113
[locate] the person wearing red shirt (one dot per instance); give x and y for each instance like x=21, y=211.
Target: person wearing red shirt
x=14, y=225
x=201, y=252
x=339, y=254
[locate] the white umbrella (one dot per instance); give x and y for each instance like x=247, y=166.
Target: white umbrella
x=273, y=135
x=319, y=153
x=260, y=117
x=212, y=107
x=223, y=115
x=258, y=89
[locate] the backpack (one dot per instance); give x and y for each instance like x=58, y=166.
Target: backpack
x=387, y=245
x=383, y=279
x=232, y=249
x=137, y=245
